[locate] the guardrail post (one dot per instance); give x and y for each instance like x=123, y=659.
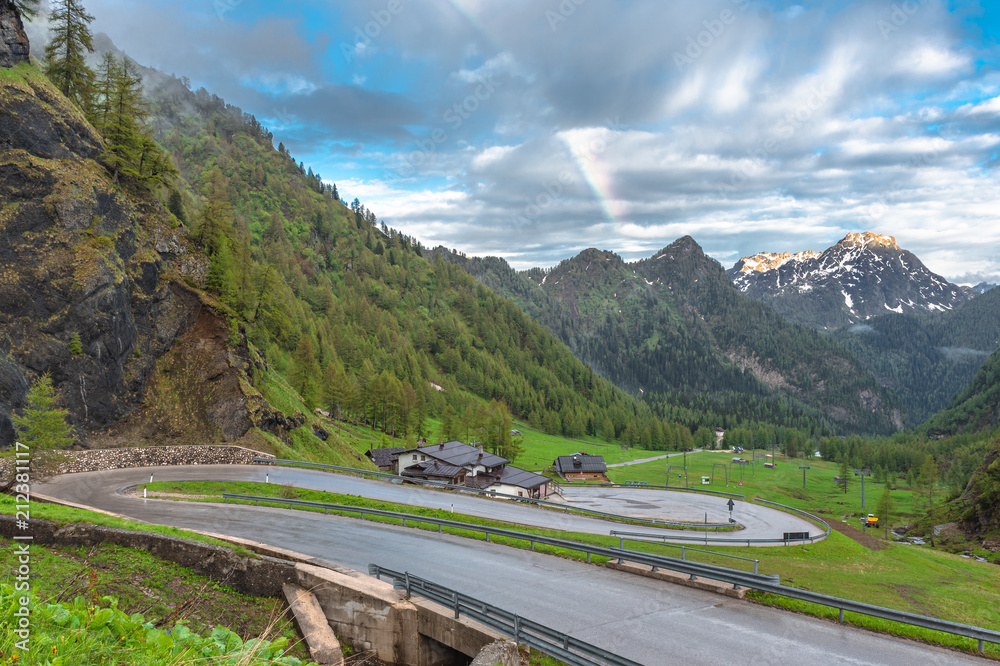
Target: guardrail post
x=487, y=536
x=532, y=545
x=455, y=596
x=404, y=522
x=842, y=616
x=755, y=563
x=683, y=555
x=980, y=646
x=588, y=557
x=407, y=582
x=517, y=628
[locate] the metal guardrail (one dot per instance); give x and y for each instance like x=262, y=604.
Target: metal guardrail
x=734, y=541
x=767, y=583
x=553, y=643
x=659, y=561
x=623, y=536
x=604, y=484
x=805, y=514
x=488, y=493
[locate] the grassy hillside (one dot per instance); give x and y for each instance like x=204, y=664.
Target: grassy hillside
x=349, y=311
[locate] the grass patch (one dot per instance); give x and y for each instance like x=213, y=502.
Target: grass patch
x=782, y=484
x=64, y=514
x=164, y=592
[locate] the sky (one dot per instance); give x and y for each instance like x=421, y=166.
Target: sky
x=534, y=129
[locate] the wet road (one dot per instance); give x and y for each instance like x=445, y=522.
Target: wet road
x=648, y=621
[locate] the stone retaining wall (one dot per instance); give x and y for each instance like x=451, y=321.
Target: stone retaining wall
x=259, y=576
x=96, y=460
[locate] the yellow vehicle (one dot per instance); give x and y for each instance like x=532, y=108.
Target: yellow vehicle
x=870, y=521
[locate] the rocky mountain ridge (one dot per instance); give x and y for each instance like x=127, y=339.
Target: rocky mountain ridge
x=97, y=285
x=674, y=325
x=862, y=276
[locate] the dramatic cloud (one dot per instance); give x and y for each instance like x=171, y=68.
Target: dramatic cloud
x=532, y=129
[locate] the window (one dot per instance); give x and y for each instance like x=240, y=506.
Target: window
x=414, y=457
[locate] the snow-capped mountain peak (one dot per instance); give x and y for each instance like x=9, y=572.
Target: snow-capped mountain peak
x=864, y=275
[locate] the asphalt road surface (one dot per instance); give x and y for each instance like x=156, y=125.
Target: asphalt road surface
x=758, y=522
x=645, y=620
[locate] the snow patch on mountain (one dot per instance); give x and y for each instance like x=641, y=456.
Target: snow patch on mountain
x=862, y=276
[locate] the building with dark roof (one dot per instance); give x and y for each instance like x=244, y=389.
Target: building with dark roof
x=481, y=469
x=435, y=470
x=385, y=458
x=581, y=465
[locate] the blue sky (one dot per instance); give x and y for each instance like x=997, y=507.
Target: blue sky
x=533, y=129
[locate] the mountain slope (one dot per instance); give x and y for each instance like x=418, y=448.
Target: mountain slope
x=862, y=276
x=674, y=326
x=181, y=316
x=95, y=279
x=976, y=408
x=358, y=300
x=927, y=359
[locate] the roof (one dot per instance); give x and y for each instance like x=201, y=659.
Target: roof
x=432, y=468
x=581, y=462
x=457, y=453
x=385, y=457
x=514, y=476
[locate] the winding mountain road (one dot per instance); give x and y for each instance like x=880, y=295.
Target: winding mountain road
x=758, y=522
x=649, y=621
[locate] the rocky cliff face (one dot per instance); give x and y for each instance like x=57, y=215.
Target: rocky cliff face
x=14, y=47
x=93, y=279
x=862, y=276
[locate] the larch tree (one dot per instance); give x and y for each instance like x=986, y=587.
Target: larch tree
x=65, y=55
x=884, y=509
x=42, y=428
x=927, y=479
x=119, y=111
x=26, y=9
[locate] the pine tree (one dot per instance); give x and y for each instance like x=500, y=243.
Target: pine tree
x=176, y=206
x=304, y=375
x=27, y=9
x=608, y=429
x=119, y=112
x=65, y=55
x=42, y=426
x=884, y=509
x=927, y=479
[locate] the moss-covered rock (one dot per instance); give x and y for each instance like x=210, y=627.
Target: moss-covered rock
x=92, y=279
